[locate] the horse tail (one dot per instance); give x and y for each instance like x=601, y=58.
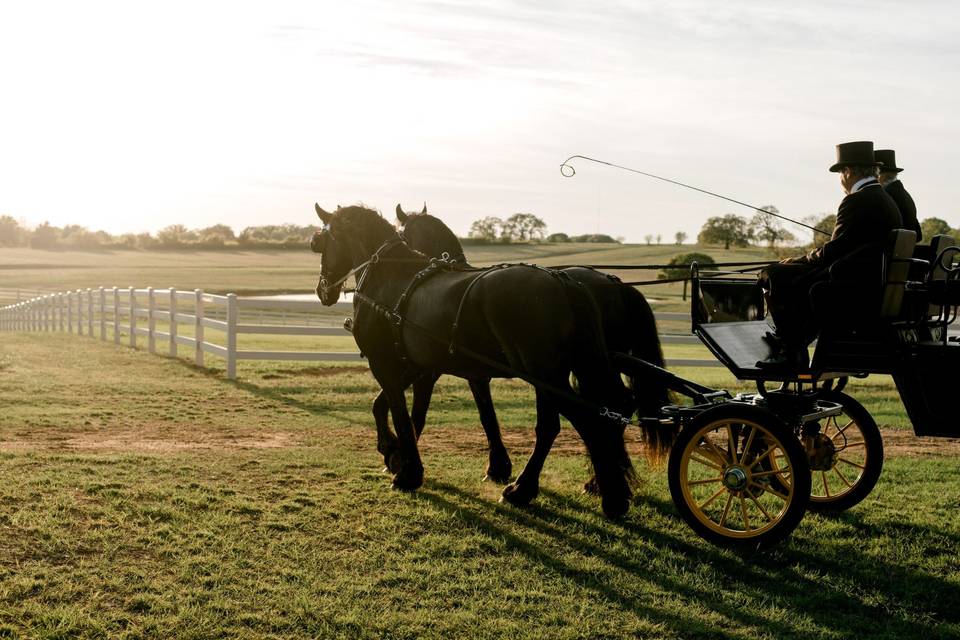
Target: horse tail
x=650, y=395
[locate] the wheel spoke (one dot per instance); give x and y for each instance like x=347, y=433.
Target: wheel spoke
x=859, y=443
x=731, y=443
x=854, y=464
x=746, y=447
x=783, y=497
x=743, y=510
x=762, y=510
x=826, y=487
x=840, y=431
x=721, y=455
x=765, y=454
x=712, y=498
x=726, y=509
x=842, y=477
x=705, y=462
x=709, y=481
x=762, y=474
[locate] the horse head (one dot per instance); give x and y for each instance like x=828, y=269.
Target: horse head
x=348, y=238
x=429, y=235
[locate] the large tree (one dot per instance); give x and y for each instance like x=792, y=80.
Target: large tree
x=486, y=228
x=11, y=233
x=521, y=227
x=729, y=230
x=767, y=227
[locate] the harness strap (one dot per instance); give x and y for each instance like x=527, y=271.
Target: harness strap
x=452, y=347
x=603, y=412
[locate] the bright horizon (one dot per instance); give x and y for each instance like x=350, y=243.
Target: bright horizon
x=123, y=117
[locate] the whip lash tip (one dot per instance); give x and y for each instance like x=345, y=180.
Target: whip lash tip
x=566, y=170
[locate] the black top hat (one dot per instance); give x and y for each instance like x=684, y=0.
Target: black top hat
x=888, y=158
x=853, y=154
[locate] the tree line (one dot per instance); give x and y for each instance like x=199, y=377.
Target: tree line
x=176, y=236
x=729, y=230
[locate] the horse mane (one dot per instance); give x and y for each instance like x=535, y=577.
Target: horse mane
x=360, y=221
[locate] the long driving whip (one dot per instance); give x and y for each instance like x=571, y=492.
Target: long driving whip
x=567, y=171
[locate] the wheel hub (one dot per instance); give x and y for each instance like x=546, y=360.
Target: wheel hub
x=735, y=479
x=821, y=451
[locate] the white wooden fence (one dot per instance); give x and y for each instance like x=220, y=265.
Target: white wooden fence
x=132, y=314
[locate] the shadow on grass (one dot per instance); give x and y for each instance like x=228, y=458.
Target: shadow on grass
x=805, y=581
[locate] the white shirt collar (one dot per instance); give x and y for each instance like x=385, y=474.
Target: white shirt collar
x=861, y=183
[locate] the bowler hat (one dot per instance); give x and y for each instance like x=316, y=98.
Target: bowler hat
x=889, y=160
x=855, y=154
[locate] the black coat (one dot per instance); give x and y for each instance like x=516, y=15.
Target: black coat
x=865, y=217
x=908, y=210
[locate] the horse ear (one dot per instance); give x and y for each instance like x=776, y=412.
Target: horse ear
x=324, y=216
x=424, y=212
x=401, y=216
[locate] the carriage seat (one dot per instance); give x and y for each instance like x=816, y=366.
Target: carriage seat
x=868, y=287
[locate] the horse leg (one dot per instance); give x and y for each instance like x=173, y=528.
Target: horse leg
x=499, y=467
x=387, y=443
x=409, y=474
x=527, y=485
x=613, y=471
x=422, y=392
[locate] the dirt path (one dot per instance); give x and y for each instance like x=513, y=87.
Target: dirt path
x=467, y=439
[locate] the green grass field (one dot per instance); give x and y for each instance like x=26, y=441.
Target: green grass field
x=145, y=497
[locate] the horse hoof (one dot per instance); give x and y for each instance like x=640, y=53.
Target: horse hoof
x=519, y=495
x=408, y=480
x=615, y=508
x=591, y=487
x=497, y=476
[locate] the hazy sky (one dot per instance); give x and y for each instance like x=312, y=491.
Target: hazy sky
x=130, y=116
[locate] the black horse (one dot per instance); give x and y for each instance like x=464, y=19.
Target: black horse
x=516, y=321
x=626, y=319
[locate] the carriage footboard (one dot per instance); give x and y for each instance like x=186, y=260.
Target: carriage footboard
x=926, y=380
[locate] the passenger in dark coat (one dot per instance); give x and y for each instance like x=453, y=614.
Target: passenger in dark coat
x=890, y=179
x=866, y=217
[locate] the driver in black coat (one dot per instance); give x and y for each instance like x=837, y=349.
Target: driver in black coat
x=890, y=179
x=866, y=216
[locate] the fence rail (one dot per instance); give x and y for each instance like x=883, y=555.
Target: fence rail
x=111, y=313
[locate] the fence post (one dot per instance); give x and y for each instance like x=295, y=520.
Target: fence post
x=60, y=311
x=90, y=312
x=198, y=326
x=69, y=311
x=133, y=317
x=116, y=315
x=232, y=336
x=79, y=312
x=151, y=321
x=103, y=315
x=173, y=322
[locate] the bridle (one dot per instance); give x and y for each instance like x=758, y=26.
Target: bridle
x=388, y=244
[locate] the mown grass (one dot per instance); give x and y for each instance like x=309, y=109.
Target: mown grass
x=143, y=497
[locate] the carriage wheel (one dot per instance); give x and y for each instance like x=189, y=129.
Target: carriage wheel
x=845, y=458
x=722, y=483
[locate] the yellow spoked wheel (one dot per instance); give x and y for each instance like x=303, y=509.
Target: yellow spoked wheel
x=725, y=483
x=845, y=457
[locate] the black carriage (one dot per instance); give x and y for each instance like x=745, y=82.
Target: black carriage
x=746, y=467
